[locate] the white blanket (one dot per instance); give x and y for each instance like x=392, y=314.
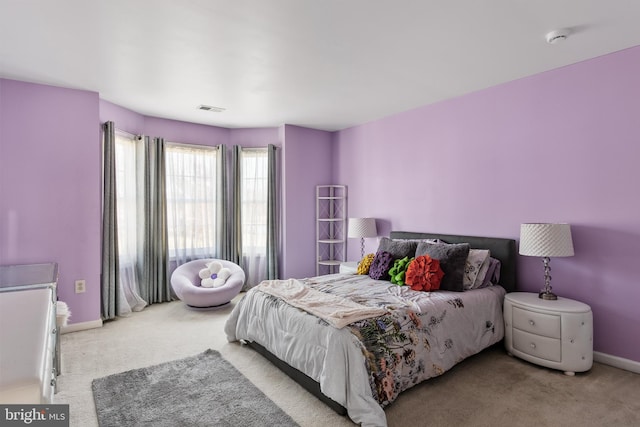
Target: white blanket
x=337, y=311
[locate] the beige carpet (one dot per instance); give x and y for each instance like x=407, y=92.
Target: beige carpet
x=489, y=389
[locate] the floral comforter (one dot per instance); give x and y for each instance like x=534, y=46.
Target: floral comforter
x=423, y=335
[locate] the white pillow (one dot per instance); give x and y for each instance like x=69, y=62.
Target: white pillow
x=475, y=268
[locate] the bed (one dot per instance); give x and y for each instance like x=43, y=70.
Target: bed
x=360, y=368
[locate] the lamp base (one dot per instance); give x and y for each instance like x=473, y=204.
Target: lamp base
x=547, y=295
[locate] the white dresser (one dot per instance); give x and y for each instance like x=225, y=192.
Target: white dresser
x=29, y=354
x=557, y=334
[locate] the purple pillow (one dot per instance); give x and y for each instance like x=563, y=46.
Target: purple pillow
x=493, y=274
x=380, y=266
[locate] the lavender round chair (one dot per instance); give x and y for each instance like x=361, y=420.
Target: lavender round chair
x=185, y=282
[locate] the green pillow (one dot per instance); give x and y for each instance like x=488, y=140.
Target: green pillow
x=399, y=269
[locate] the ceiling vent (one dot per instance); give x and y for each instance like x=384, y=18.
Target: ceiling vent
x=211, y=108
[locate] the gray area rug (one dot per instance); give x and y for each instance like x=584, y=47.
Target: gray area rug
x=202, y=390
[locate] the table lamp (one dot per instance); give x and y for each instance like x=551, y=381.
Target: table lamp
x=362, y=227
x=546, y=241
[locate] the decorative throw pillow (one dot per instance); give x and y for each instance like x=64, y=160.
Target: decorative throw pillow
x=398, y=248
x=481, y=274
x=399, y=269
x=381, y=265
x=452, y=261
x=493, y=274
x=475, y=261
x=424, y=274
x=365, y=264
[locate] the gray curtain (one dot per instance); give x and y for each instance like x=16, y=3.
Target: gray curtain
x=154, y=282
x=235, y=210
x=272, y=215
x=224, y=241
x=110, y=267
x=235, y=223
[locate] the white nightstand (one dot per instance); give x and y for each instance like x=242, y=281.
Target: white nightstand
x=350, y=267
x=556, y=334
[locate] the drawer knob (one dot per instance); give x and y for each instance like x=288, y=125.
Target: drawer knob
x=533, y=345
x=531, y=322
x=572, y=340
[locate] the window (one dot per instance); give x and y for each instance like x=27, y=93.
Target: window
x=191, y=201
x=254, y=201
x=253, y=198
x=127, y=200
x=127, y=197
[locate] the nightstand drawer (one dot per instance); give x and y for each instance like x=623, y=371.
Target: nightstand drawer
x=538, y=346
x=547, y=325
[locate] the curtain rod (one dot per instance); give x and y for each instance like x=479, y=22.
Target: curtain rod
x=197, y=146
x=126, y=134
x=257, y=148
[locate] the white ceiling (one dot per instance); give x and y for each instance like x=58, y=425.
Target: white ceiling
x=325, y=64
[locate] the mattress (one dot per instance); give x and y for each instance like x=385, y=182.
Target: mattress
x=367, y=364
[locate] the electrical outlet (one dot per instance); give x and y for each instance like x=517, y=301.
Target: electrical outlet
x=80, y=286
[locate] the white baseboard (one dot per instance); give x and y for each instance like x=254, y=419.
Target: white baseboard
x=74, y=327
x=616, y=362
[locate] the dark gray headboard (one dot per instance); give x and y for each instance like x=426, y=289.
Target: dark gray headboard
x=502, y=249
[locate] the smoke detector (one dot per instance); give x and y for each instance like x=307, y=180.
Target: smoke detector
x=557, y=36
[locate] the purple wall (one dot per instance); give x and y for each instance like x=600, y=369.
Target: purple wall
x=170, y=130
x=306, y=163
x=183, y=132
x=254, y=137
x=50, y=178
x=187, y=133
x=126, y=120
x=49, y=186
x=561, y=146
x=558, y=146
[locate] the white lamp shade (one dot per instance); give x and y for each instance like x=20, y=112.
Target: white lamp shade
x=362, y=227
x=546, y=240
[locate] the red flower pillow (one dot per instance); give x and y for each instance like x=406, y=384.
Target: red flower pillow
x=424, y=274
